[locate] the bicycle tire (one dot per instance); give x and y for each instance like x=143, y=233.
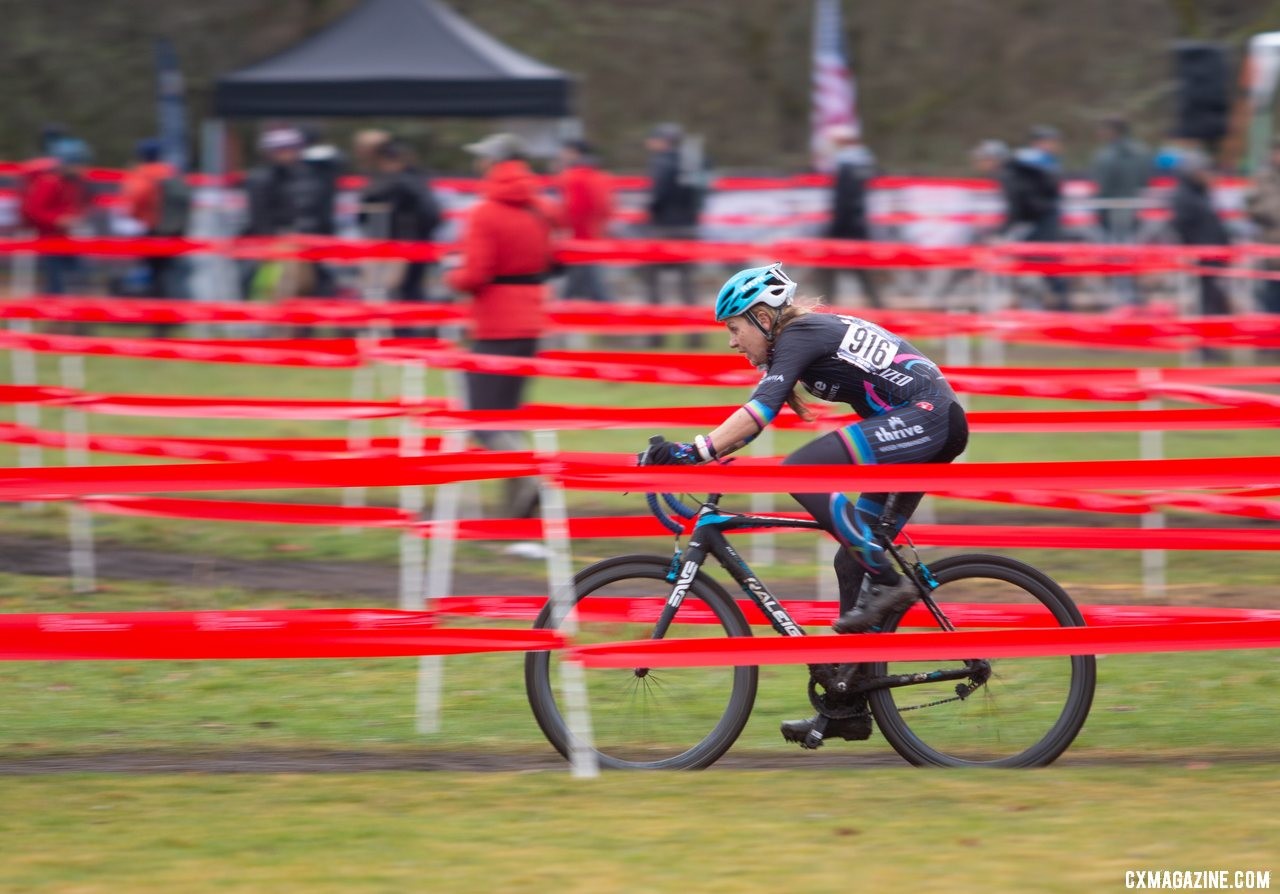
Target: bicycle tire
x=627, y=731
x=967, y=732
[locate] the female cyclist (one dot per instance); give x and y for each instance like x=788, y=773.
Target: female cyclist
x=909, y=415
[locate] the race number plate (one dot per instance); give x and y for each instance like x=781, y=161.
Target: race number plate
x=866, y=347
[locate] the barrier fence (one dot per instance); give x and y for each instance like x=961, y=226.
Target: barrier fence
x=1066, y=258
x=894, y=200
x=363, y=633
x=1245, y=409
x=1244, y=487
x=1097, y=331
x=690, y=369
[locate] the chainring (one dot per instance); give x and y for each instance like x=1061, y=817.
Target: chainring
x=826, y=700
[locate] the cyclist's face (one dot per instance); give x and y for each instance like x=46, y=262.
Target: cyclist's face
x=746, y=339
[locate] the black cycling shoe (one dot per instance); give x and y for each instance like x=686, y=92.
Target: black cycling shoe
x=813, y=732
x=877, y=602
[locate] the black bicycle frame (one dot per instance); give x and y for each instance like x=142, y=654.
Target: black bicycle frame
x=707, y=539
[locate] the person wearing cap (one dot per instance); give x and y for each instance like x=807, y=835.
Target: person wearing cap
x=286, y=195
x=1197, y=222
x=988, y=161
x=507, y=260
x=909, y=414
x=587, y=198
x=399, y=204
x=272, y=188
x=1034, y=198
x=55, y=201
x=1121, y=168
x=854, y=167
x=155, y=196
x=1262, y=203
x=677, y=192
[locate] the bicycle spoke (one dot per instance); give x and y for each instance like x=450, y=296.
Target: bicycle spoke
x=1025, y=711
x=669, y=717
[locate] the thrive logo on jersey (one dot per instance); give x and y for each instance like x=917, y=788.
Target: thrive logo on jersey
x=687, y=574
x=897, y=430
x=824, y=390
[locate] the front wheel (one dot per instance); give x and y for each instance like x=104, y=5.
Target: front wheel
x=1011, y=712
x=646, y=718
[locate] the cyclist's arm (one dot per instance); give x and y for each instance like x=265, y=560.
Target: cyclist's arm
x=798, y=346
x=736, y=432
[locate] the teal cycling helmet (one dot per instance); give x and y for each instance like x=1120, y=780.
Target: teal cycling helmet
x=756, y=285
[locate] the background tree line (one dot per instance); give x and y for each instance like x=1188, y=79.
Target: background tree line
x=934, y=76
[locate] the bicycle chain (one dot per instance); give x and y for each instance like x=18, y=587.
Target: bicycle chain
x=826, y=702
x=962, y=693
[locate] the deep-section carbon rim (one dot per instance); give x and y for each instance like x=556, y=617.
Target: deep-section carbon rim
x=663, y=718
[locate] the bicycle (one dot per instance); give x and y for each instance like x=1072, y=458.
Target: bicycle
x=1022, y=712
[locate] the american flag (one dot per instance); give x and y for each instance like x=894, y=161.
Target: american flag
x=835, y=99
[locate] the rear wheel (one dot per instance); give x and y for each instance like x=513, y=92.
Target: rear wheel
x=1009, y=712
x=646, y=718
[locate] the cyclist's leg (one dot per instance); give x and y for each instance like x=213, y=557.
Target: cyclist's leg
x=839, y=717
x=852, y=523
x=929, y=434
x=923, y=431
x=864, y=553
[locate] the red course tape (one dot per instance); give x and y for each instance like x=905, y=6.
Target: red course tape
x=361, y=633
x=76, y=481
x=314, y=633
x=639, y=609
x=1038, y=642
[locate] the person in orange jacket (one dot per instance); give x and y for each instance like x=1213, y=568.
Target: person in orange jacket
x=587, y=194
x=507, y=259
x=142, y=197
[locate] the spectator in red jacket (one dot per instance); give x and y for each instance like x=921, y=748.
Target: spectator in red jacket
x=55, y=201
x=587, y=194
x=506, y=262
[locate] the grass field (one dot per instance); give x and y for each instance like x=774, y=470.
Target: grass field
x=1053, y=830
x=1174, y=770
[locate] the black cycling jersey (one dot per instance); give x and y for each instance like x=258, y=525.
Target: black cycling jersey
x=909, y=415
x=844, y=359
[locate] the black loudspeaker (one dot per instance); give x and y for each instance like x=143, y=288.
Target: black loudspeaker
x=1203, y=97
